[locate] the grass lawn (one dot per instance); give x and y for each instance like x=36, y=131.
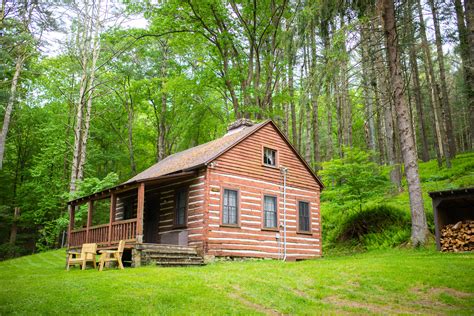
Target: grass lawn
x=378, y=282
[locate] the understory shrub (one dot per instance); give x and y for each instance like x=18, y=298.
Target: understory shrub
x=378, y=226
x=8, y=251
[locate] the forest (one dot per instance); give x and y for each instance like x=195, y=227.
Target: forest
x=94, y=91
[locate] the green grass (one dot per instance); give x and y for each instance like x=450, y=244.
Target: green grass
x=377, y=282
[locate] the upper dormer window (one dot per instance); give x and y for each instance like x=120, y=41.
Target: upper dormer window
x=269, y=156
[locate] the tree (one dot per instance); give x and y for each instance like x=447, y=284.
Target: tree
x=88, y=34
x=352, y=180
x=469, y=12
x=24, y=23
x=446, y=110
x=418, y=217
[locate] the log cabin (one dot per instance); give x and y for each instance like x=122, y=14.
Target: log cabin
x=246, y=194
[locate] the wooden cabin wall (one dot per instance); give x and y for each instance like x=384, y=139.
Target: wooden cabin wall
x=129, y=198
x=195, y=209
x=245, y=159
x=241, y=169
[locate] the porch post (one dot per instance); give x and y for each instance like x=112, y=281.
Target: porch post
x=72, y=214
x=113, y=203
x=140, y=208
x=89, y=219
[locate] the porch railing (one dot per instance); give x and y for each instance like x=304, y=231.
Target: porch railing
x=120, y=230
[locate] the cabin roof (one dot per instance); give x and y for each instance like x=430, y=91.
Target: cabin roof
x=183, y=162
x=195, y=157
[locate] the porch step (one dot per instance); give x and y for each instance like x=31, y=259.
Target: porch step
x=162, y=248
x=179, y=264
x=169, y=255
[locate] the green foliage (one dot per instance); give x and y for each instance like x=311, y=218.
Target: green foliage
x=9, y=251
x=371, y=220
x=378, y=226
x=93, y=185
x=385, y=222
x=185, y=68
x=352, y=180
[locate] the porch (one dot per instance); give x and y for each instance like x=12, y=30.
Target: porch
x=136, y=215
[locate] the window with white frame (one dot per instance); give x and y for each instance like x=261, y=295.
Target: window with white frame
x=230, y=208
x=270, y=211
x=269, y=156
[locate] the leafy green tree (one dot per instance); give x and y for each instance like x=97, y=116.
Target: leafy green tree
x=352, y=180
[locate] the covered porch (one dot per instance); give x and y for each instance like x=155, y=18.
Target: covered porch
x=133, y=213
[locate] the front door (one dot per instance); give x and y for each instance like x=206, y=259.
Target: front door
x=151, y=218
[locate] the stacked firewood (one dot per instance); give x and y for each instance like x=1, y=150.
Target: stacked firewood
x=458, y=237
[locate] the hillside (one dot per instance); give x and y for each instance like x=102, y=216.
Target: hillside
x=384, y=220
x=392, y=281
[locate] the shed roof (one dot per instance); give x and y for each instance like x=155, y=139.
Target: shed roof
x=451, y=193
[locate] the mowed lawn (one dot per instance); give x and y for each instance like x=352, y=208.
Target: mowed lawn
x=381, y=282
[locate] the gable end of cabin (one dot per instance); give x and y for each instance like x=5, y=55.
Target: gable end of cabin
x=249, y=198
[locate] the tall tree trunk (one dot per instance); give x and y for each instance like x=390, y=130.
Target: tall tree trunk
x=378, y=88
x=369, y=126
x=91, y=90
x=466, y=63
x=339, y=119
x=14, y=228
x=9, y=109
x=346, y=104
x=27, y=13
x=444, y=89
x=425, y=155
x=386, y=112
x=162, y=125
x=162, y=128
x=84, y=49
x=306, y=97
x=469, y=12
x=327, y=90
x=440, y=130
x=286, y=112
x=314, y=97
x=418, y=218
x=291, y=90
x=130, y=117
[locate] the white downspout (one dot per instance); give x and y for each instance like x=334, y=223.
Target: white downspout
x=284, y=171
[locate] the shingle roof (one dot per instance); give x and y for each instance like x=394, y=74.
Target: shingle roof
x=177, y=164
x=196, y=156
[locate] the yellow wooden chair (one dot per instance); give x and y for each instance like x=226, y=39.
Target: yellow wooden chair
x=87, y=254
x=112, y=256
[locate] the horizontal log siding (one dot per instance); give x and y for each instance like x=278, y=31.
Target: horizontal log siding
x=241, y=169
x=195, y=212
x=246, y=159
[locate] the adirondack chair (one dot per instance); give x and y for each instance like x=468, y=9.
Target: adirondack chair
x=112, y=256
x=86, y=255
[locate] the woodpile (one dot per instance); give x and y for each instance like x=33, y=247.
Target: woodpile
x=458, y=237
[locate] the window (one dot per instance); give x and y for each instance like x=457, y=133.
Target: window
x=303, y=212
x=270, y=211
x=269, y=156
x=230, y=208
x=180, y=216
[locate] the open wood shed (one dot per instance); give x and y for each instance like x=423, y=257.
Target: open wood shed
x=450, y=207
